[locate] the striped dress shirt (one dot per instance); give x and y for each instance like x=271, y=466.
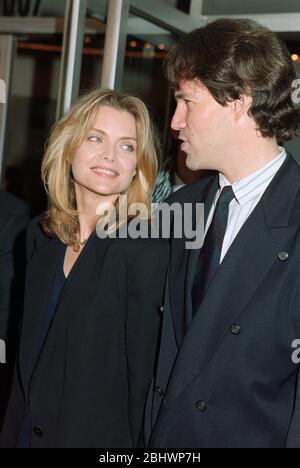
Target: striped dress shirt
x=248, y=192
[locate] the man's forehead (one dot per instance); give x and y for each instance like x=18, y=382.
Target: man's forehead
x=189, y=87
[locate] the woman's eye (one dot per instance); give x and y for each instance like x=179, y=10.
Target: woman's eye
x=95, y=139
x=128, y=147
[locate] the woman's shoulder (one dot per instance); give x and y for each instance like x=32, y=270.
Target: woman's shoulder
x=35, y=229
x=132, y=241
x=35, y=236
x=140, y=257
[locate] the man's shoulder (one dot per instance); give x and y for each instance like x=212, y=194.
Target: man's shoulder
x=192, y=192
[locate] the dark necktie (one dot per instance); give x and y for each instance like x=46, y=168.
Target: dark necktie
x=210, y=253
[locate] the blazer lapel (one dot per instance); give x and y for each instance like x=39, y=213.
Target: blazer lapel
x=267, y=231
x=193, y=254
x=40, y=274
x=181, y=260
x=82, y=283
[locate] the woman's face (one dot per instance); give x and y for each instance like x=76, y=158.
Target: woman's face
x=105, y=162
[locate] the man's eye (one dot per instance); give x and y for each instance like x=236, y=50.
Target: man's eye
x=95, y=139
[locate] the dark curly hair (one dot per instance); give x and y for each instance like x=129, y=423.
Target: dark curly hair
x=232, y=57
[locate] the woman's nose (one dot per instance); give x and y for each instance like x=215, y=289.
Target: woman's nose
x=108, y=157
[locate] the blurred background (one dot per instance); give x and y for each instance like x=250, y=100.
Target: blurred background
x=53, y=50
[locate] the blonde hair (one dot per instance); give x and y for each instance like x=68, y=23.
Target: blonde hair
x=61, y=218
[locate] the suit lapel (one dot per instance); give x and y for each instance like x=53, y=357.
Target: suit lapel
x=193, y=254
x=82, y=283
x=39, y=280
x=267, y=231
x=181, y=261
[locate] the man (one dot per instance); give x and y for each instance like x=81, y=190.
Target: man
x=14, y=217
x=174, y=173
x=227, y=369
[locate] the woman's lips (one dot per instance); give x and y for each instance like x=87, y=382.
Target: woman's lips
x=103, y=172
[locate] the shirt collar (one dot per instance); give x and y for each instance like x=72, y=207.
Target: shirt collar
x=249, y=187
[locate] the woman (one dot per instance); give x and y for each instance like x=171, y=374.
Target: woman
x=91, y=315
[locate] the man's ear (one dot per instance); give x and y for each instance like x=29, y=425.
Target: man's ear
x=242, y=105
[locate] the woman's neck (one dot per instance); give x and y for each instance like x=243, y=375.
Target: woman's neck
x=87, y=208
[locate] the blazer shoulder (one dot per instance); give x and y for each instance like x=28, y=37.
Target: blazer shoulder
x=147, y=256
x=35, y=228
x=35, y=237
x=131, y=248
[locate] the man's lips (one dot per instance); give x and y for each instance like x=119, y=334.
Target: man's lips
x=102, y=171
x=183, y=145
x=182, y=138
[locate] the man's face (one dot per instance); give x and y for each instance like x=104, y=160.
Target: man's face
x=206, y=127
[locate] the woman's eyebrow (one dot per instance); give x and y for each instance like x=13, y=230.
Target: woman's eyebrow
x=98, y=130
x=128, y=138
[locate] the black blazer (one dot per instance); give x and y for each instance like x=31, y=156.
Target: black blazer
x=231, y=380
x=14, y=217
x=87, y=386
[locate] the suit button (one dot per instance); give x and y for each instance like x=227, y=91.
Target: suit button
x=38, y=431
x=161, y=309
x=201, y=406
x=235, y=329
x=158, y=391
x=283, y=256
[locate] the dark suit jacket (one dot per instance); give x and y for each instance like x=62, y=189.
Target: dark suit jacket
x=14, y=217
x=87, y=386
x=231, y=381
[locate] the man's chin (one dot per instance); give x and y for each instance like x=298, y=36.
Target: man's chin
x=192, y=163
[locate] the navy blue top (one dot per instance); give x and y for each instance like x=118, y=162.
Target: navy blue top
x=58, y=284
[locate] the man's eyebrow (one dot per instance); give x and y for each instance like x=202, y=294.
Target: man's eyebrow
x=178, y=95
x=98, y=130
x=181, y=95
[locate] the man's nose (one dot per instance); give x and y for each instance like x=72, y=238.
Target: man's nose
x=179, y=119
